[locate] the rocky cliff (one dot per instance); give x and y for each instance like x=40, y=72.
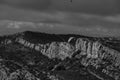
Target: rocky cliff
x=40, y=56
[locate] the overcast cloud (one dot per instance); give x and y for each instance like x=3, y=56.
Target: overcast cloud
x=87, y=6
x=88, y=15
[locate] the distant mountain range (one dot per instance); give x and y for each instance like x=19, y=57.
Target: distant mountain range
x=32, y=55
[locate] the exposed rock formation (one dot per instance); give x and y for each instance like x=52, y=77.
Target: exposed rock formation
x=92, y=54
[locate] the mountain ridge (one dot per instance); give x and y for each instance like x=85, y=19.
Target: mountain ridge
x=62, y=53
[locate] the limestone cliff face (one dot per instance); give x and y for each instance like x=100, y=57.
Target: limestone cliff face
x=95, y=54
x=61, y=50
x=92, y=54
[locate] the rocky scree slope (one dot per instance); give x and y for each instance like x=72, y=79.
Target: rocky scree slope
x=41, y=56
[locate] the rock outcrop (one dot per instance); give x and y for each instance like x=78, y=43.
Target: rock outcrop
x=92, y=54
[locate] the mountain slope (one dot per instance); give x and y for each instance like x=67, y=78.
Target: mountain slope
x=43, y=56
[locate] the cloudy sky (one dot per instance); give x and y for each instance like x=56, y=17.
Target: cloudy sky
x=89, y=17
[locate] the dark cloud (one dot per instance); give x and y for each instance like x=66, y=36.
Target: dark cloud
x=28, y=4
x=60, y=21
x=88, y=6
x=85, y=6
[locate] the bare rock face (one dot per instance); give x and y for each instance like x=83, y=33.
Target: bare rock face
x=12, y=71
x=60, y=50
x=98, y=55
x=23, y=75
x=38, y=57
